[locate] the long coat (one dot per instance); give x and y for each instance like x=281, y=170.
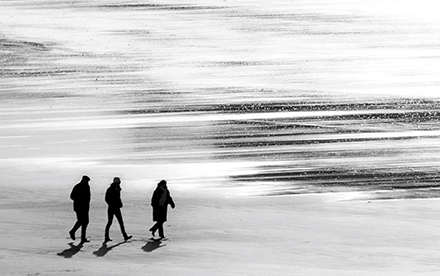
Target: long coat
x=160, y=206
x=81, y=197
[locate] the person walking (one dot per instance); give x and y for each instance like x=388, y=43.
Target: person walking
x=81, y=204
x=159, y=201
x=114, y=202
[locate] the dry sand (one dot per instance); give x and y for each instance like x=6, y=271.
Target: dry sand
x=327, y=234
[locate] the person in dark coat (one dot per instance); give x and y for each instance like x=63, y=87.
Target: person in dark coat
x=114, y=202
x=81, y=204
x=159, y=201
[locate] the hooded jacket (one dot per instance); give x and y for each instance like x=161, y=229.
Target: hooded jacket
x=159, y=201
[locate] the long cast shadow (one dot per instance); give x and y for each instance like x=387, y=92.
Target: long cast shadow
x=101, y=252
x=68, y=253
x=152, y=245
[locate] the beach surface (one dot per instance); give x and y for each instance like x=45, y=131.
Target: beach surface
x=280, y=129
x=326, y=234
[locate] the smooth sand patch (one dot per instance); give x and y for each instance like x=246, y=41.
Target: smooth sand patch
x=215, y=235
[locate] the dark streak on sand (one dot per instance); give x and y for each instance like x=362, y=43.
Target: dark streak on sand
x=380, y=183
x=160, y=7
x=410, y=106
x=22, y=59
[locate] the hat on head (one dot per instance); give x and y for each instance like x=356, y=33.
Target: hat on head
x=85, y=178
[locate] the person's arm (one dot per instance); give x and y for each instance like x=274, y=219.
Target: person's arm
x=107, y=197
x=155, y=198
x=120, y=205
x=170, y=201
x=73, y=193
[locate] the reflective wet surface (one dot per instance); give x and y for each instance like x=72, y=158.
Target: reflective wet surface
x=286, y=98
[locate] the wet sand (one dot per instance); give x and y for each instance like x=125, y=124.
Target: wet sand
x=308, y=97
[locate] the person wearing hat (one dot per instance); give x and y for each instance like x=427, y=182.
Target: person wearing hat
x=81, y=204
x=114, y=202
x=159, y=201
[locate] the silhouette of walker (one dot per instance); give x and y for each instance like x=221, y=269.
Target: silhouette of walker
x=159, y=201
x=114, y=202
x=81, y=204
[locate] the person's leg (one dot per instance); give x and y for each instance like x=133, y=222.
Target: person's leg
x=118, y=216
x=160, y=228
x=84, y=224
x=76, y=226
x=109, y=223
x=154, y=228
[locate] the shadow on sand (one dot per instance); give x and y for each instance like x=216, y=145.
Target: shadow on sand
x=68, y=253
x=101, y=252
x=152, y=245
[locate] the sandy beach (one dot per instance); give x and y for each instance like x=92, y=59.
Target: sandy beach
x=297, y=138
x=327, y=234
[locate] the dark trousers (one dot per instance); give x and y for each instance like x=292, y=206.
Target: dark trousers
x=82, y=220
x=117, y=213
x=158, y=226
